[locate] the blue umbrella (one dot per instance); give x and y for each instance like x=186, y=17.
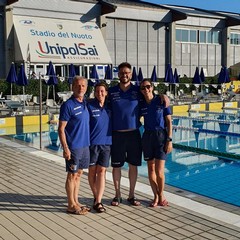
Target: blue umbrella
x=175, y=76
x=134, y=75
x=223, y=76
x=52, y=79
x=94, y=75
x=196, y=78
x=140, y=76
x=169, y=74
x=202, y=76
x=72, y=73
x=22, y=78
x=52, y=76
x=12, y=76
x=154, y=75
x=108, y=73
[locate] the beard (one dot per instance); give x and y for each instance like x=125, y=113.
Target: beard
x=124, y=80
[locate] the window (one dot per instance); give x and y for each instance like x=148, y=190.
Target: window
x=202, y=36
x=235, y=38
x=193, y=36
x=215, y=37
x=211, y=37
x=185, y=35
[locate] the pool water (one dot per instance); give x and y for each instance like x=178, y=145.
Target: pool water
x=213, y=176
x=202, y=174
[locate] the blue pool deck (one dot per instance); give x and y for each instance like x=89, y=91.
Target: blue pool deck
x=33, y=205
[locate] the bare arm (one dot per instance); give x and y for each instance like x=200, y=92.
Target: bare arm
x=168, y=146
x=165, y=99
x=62, y=137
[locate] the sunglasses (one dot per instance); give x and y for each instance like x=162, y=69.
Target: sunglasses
x=145, y=87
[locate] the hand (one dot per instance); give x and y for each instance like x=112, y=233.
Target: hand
x=165, y=99
x=67, y=154
x=168, y=147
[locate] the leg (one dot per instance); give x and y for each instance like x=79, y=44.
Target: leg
x=153, y=182
x=116, y=173
x=99, y=186
x=100, y=183
x=77, y=185
x=159, y=169
x=92, y=179
x=132, y=175
x=70, y=189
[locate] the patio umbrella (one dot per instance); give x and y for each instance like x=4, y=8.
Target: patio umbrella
x=94, y=75
x=176, y=80
x=140, y=76
x=12, y=76
x=223, y=76
x=52, y=79
x=202, y=75
x=175, y=76
x=196, y=78
x=134, y=75
x=154, y=75
x=108, y=73
x=22, y=78
x=22, y=81
x=72, y=73
x=169, y=74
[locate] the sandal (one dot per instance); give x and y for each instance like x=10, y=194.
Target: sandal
x=153, y=204
x=116, y=201
x=80, y=211
x=164, y=203
x=133, y=201
x=86, y=207
x=98, y=207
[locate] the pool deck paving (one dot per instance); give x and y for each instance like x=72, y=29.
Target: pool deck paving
x=33, y=206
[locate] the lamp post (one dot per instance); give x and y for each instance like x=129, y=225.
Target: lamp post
x=40, y=110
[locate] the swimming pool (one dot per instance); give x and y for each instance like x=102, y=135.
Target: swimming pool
x=205, y=159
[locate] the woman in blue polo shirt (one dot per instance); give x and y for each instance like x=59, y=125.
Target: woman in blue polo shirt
x=100, y=143
x=156, y=140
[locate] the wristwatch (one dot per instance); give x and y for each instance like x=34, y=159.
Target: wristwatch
x=169, y=139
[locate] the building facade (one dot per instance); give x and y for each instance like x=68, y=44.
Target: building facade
x=104, y=32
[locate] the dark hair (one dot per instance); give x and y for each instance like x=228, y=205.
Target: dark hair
x=146, y=80
x=124, y=64
x=99, y=84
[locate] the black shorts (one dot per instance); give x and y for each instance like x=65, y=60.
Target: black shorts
x=126, y=147
x=153, y=143
x=100, y=155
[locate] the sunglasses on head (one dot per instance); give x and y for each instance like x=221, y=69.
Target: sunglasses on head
x=145, y=87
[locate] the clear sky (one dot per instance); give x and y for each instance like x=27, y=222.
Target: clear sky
x=222, y=5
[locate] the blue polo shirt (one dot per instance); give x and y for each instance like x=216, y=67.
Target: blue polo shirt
x=77, y=129
x=100, y=124
x=154, y=114
x=124, y=107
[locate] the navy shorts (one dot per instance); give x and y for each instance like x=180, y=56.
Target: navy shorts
x=100, y=155
x=153, y=143
x=126, y=147
x=79, y=160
